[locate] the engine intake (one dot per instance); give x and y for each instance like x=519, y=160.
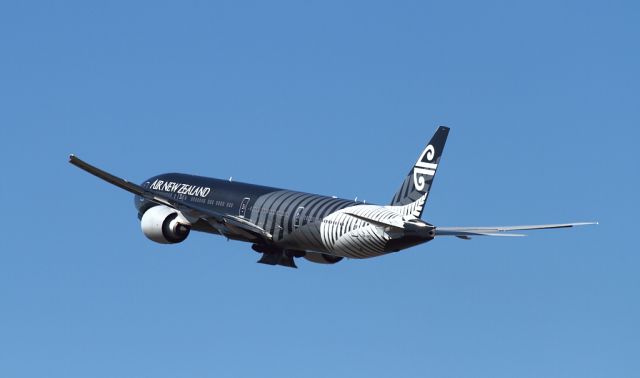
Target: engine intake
x=164, y=225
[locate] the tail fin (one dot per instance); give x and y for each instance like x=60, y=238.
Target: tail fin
x=415, y=188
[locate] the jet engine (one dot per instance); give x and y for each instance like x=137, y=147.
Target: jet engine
x=322, y=258
x=164, y=225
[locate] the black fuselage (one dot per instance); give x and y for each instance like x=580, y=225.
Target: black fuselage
x=296, y=220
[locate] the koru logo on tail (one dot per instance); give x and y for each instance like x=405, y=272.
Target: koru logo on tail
x=424, y=167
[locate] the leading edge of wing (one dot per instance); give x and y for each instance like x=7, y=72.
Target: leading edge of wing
x=498, y=230
x=190, y=211
x=120, y=182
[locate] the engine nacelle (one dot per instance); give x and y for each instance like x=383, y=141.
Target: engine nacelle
x=322, y=258
x=164, y=225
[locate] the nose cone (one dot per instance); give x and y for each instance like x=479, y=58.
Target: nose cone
x=138, y=201
x=141, y=204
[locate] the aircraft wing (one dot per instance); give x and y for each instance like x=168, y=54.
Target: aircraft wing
x=467, y=232
x=225, y=223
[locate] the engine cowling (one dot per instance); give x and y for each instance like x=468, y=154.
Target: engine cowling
x=322, y=258
x=164, y=225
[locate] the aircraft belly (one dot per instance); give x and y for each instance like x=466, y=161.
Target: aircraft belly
x=304, y=238
x=364, y=242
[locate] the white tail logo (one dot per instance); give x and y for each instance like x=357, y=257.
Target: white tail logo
x=423, y=168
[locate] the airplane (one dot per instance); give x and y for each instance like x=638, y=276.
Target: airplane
x=285, y=224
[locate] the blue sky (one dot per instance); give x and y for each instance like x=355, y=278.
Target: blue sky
x=336, y=98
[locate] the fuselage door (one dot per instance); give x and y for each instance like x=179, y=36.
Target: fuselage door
x=296, y=217
x=243, y=206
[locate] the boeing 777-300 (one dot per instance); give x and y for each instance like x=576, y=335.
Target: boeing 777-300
x=283, y=224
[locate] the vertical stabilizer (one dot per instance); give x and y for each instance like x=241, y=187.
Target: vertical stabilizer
x=415, y=188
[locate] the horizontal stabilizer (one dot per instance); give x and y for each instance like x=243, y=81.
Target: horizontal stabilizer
x=379, y=219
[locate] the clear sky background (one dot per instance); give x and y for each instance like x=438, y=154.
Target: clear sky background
x=336, y=98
